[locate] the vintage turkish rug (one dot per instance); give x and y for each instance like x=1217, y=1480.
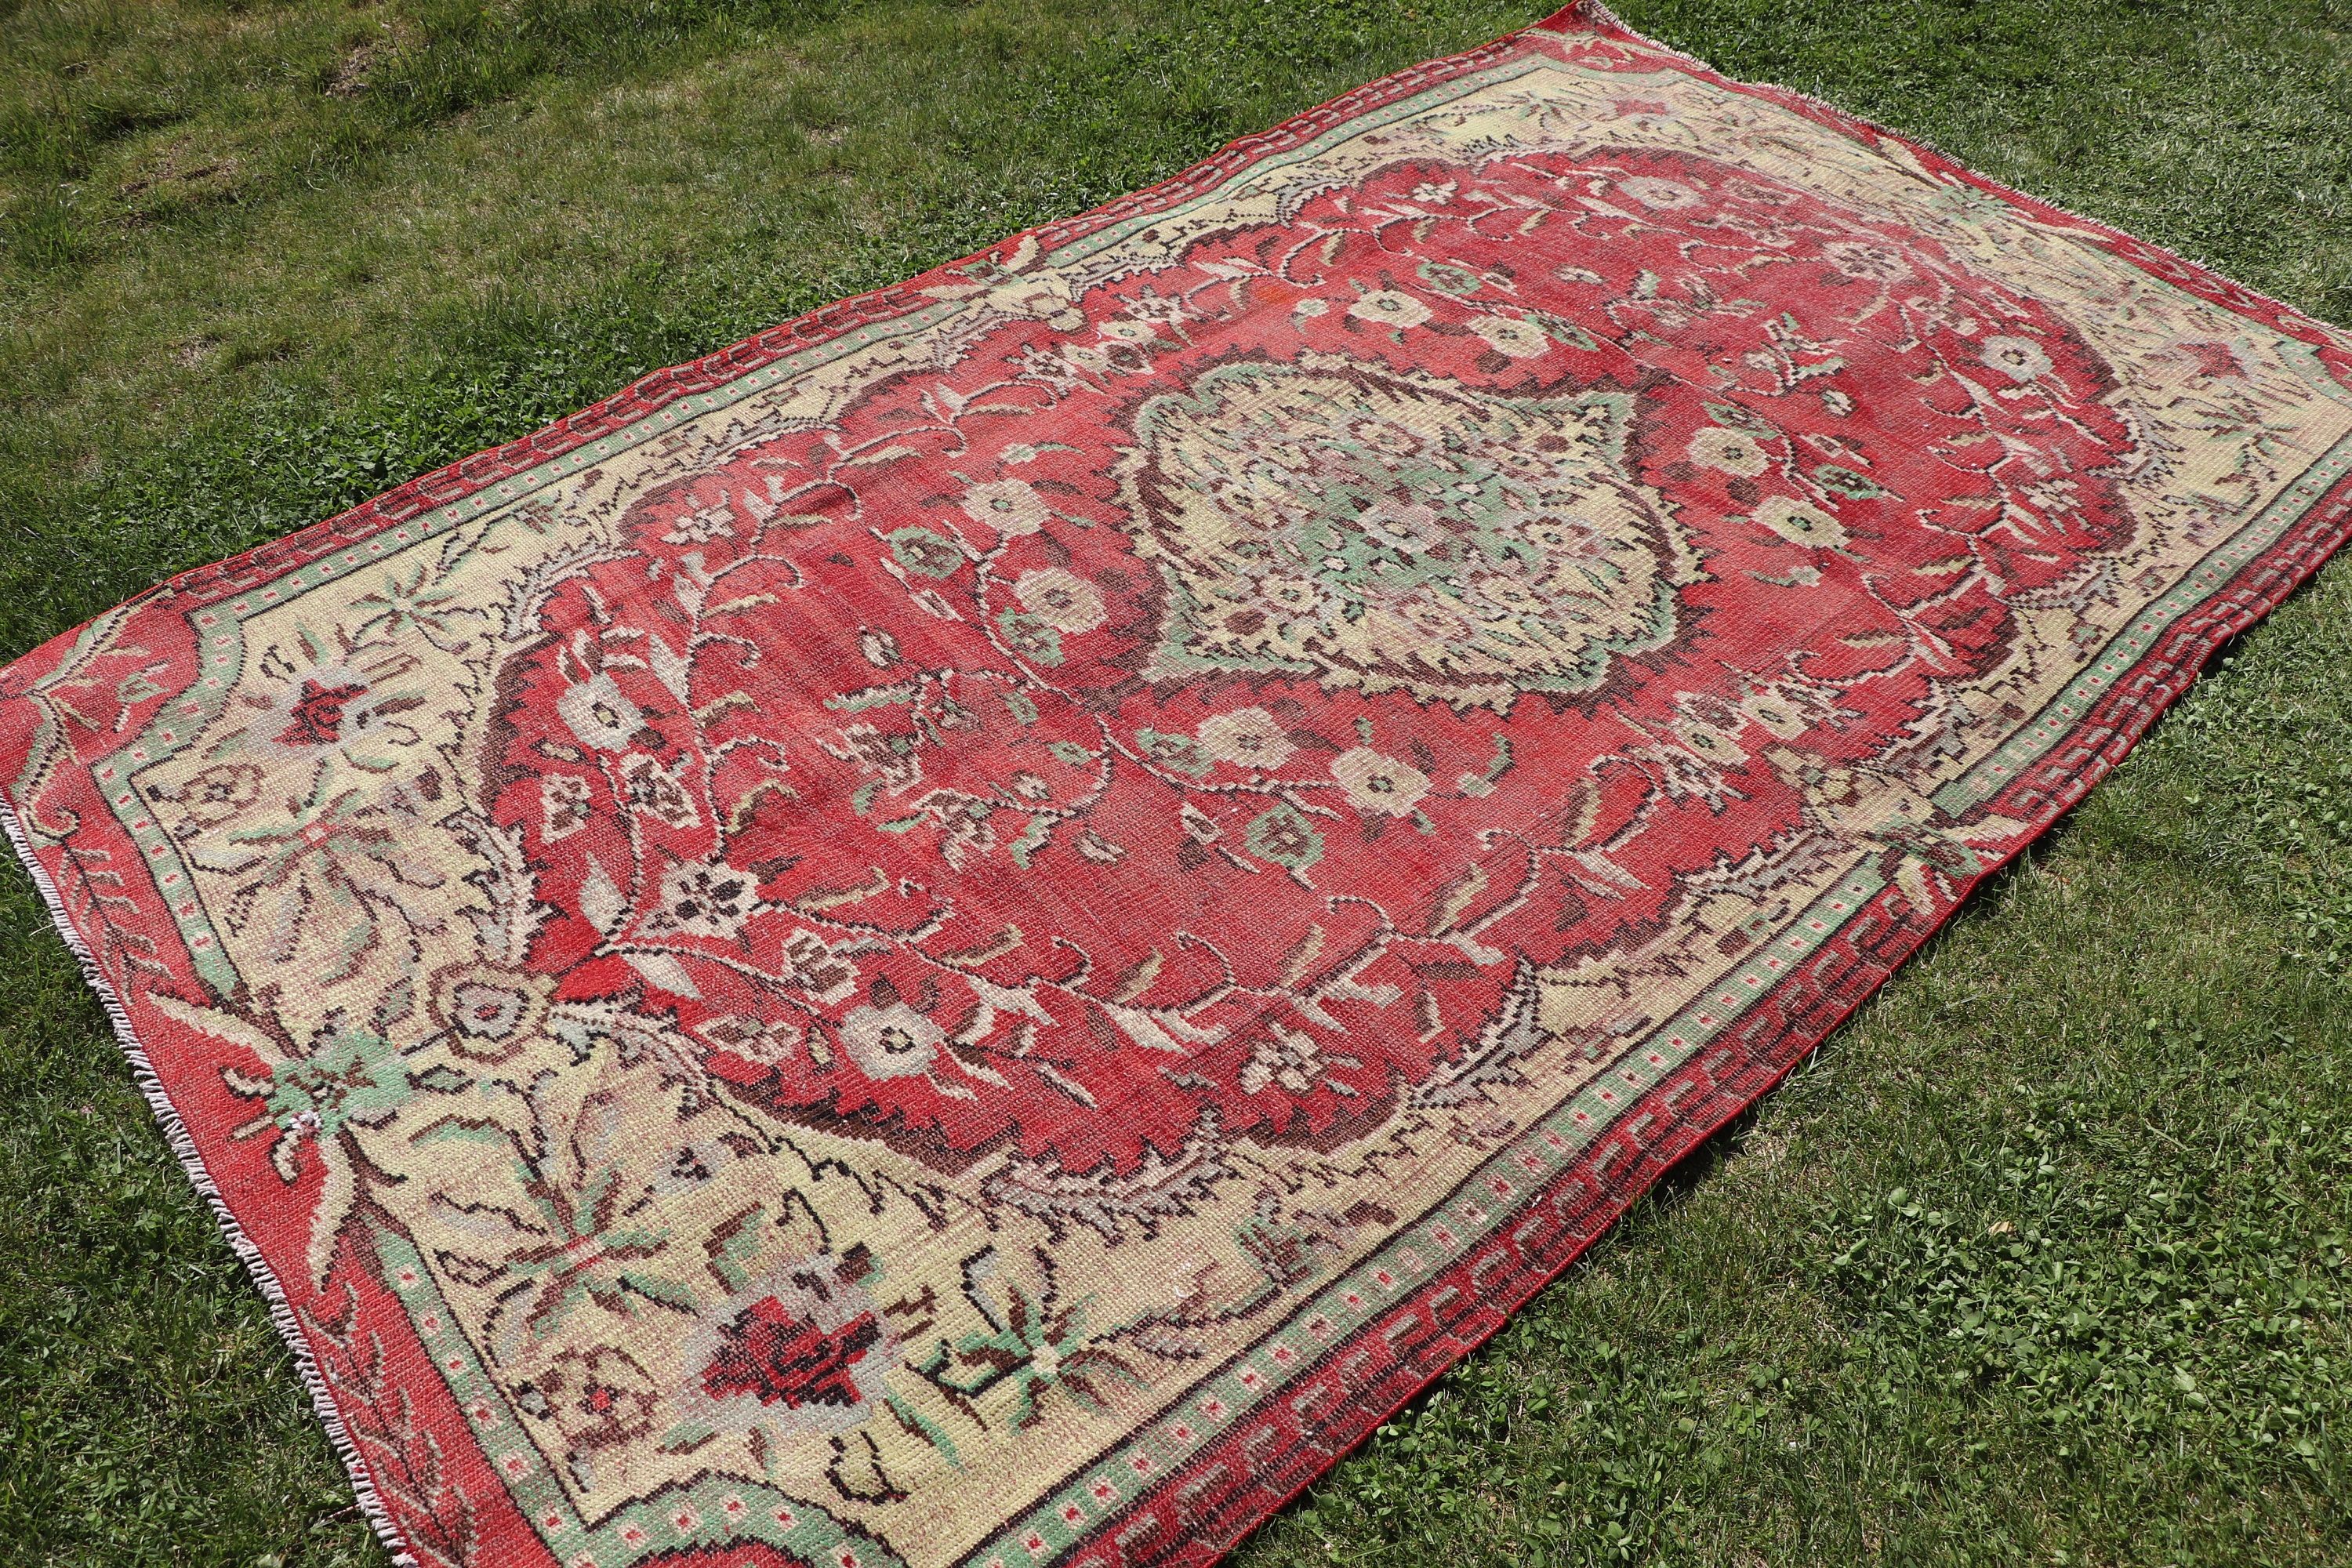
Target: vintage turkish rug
x=978, y=930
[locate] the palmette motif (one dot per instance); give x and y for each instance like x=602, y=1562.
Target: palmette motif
x=1040, y=886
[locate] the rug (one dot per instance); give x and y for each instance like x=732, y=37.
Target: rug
x=978, y=931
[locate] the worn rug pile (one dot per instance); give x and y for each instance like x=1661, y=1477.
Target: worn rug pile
x=981, y=929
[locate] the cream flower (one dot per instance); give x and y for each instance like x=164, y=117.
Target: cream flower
x=1733, y=451
x=1511, y=337
x=1799, y=522
x=1717, y=745
x=600, y=714
x=1290, y=1060
x=1651, y=192
x=1389, y=308
x=890, y=1042
x=2019, y=359
x=1248, y=737
x=1378, y=783
x=1008, y=506
x=1062, y=600
x=1776, y=713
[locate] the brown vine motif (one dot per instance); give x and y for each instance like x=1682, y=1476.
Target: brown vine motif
x=404, y=1457
x=990, y=923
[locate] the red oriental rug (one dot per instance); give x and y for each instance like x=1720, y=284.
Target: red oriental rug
x=978, y=930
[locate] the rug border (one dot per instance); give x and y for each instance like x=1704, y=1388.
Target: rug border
x=456, y=482
x=2175, y=664
x=2306, y=547
x=2285, y=317
x=192, y=1161
x=2223, y=615
x=650, y=394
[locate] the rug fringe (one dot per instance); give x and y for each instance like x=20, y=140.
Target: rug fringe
x=192, y=1161
x=281, y=1310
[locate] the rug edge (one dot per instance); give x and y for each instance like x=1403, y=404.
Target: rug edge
x=655, y=389
x=2179, y=670
x=1768, y=1070
x=477, y=470
x=1597, y=14
x=184, y=1148
x=665, y=384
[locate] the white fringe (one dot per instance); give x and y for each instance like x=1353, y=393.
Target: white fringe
x=175, y=1132
x=281, y=1311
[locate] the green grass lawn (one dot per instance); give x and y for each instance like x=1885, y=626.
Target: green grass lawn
x=2043, y=1259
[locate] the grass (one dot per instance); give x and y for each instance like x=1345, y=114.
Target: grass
x=2041, y=1260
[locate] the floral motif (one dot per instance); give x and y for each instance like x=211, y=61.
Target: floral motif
x=1008, y=506
x=1735, y=452
x=601, y=714
x=779, y=1358
x=1284, y=835
x=1376, y=783
x=1653, y=192
x=1067, y=604
x=490, y=1012
x=1389, y=308
x=800, y=1347
x=1801, y=522
x=760, y=1042
x=655, y=789
x=332, y=864
x=890, y=1041
x=350, y=1076
x=597, y=1398
x=1512, y=338
x=316, y=716
x=1871, y=261
x=2019, y=359
x=1033, y=1346
x=1407, y=500
x=1290, y=1059
x=1248, y=737
x=339, y=707
x=564, y=801
x=815, y=956
x=214, y=795
x=702, y=899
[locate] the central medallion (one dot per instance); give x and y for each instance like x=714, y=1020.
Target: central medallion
x=1365, y=527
